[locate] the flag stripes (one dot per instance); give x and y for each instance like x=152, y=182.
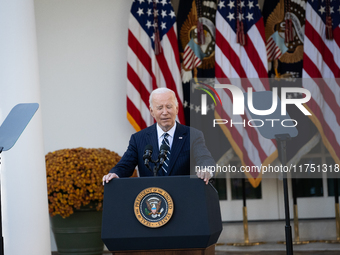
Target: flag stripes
x=273, y=51
x=190, y=59
x=321, y=70
x=237, y=65
x=147, y=71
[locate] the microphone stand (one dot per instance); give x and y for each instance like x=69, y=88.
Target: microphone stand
x=156, y=167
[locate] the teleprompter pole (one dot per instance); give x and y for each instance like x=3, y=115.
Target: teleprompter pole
x=1, y=237
x=281, y=140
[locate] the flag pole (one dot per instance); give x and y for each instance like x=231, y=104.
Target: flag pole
x=296, y=215
x=245, y=214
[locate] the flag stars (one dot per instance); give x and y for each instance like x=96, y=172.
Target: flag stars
x=242, y=4
x=149, y=1
x=250, y=16
x=164, y=2
x=192, y=106
x=185, y=104
x=250, y=5
x=331, y=9
x=140, y=11
x=212, y=106
x=153, y=37
x=231, y=4
x=141, y=1
x=164, y=14
x=221, y=4
x=149, y=12
x=155, y=13
x=172, y=14
x=241, y=16
x=231, y=16
x=322, y=9
x=163, y=25
x=148, y=24
x=339, y=9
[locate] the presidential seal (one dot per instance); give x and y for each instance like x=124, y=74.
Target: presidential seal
x=153, y=207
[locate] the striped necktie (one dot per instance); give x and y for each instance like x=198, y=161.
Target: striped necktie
x=167, y=160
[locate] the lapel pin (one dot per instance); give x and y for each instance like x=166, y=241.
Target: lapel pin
x=180, y=137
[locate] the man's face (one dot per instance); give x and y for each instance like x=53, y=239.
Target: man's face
x=164, y=110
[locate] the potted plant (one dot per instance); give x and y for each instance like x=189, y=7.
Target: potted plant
x=75, y=197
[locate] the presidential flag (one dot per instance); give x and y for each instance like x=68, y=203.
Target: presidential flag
x=285, y=66
x=241, y=53
x=153, y=58
x=321, y=70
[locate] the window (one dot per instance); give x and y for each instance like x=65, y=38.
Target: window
x=236, y=185
x=313, y=187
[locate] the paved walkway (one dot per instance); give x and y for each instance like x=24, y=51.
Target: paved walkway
x=279, y=253
x=279, y=249
x=273, y=249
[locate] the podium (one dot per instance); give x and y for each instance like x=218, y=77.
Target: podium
x=160, y=215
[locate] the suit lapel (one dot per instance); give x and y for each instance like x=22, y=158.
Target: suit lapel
x=177, y=144
x=153, y=140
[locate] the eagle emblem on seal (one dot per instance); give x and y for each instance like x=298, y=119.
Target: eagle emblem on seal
x=154, y=207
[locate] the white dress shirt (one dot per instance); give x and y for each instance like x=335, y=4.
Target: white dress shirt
x=160, y=136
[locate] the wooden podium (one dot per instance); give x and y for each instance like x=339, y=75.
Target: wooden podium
x=208, y=251
x=161, y=215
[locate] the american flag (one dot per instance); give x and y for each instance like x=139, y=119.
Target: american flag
x=321, y=71
x=146, y=70
x=192, y=56
x=275, y=47
x=248, y=61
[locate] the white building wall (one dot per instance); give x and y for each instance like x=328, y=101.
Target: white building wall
x=82, y=48
x=25, y=221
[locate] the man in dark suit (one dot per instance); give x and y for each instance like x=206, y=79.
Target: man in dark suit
x=187, y=146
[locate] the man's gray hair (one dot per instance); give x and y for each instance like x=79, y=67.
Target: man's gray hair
x=161, y=91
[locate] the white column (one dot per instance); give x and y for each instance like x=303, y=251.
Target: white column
x=23, y=180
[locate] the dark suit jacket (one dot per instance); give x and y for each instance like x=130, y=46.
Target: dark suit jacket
x=188, y=143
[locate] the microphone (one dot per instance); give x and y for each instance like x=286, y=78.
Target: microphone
x=147, y=154
x=163, y=151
